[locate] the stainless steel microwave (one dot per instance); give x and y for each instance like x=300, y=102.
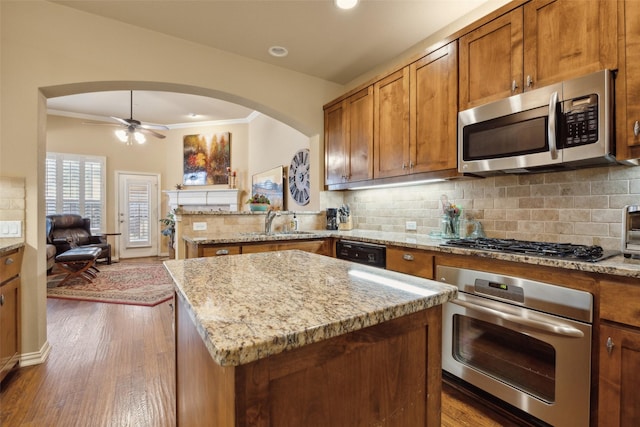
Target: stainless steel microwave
x=565, y=125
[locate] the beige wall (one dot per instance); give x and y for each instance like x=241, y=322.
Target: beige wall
x=49, y=50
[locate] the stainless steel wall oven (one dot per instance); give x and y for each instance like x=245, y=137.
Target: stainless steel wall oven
x=525, y=342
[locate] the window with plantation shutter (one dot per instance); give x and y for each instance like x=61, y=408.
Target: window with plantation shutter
x=139, y=215
x=76, y=184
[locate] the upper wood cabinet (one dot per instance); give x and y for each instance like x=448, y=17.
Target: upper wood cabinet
x=415, y=112
x=491, y=61
x=349, y=139
x=628, y=85
x=391, y=125
x=537, y=44
x=434, y=111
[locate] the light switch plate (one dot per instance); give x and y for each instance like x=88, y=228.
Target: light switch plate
x=199, y=226
x=10, y=228
x=411, y=226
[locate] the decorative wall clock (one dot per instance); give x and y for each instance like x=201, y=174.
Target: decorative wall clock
x=299, y=185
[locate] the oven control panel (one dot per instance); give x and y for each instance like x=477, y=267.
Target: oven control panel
x=499, y=290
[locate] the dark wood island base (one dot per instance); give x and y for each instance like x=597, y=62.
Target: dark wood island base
x=388, y=374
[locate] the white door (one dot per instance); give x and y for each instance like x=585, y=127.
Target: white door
x=138, y=215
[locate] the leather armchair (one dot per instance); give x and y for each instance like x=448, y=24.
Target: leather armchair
x=66, y=231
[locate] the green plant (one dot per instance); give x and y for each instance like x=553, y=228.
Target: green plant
x=259, y=198
x=169, y=229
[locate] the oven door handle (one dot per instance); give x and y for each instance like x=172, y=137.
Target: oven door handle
x=562, y=330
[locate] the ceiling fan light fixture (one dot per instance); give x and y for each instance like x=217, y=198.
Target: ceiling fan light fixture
x=140, y=139
x=346, y=4
x=122, y=135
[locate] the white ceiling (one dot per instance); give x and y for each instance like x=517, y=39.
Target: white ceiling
x=322, y=41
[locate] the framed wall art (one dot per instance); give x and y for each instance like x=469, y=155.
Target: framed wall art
x=271, y=184
x=206, y=158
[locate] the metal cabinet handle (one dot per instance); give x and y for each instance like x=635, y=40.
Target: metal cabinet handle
x=8, y=261
x=529, y=81
x=404, y=166
x=407, y=257
x=610, y=345
x=2, y=300
x=514, y=86
x=222, y=252
x=551, y=130
x=636, y=128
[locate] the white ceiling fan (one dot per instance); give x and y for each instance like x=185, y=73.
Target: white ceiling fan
x=134, y=130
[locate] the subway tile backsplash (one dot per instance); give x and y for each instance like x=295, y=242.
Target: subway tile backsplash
x=582, y=206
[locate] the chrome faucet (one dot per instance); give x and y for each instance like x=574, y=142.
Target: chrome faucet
x=271, y=214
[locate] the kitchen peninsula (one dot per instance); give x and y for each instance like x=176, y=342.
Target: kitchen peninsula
x=291, y=338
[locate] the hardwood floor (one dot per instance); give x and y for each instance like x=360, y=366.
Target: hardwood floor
x=112, y=365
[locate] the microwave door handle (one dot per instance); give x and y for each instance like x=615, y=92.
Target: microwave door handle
x=557, y=329
x=551, y=129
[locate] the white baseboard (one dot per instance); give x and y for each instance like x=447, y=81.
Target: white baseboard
x=36, y=357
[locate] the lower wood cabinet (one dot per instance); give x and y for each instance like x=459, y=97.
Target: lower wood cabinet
x=619, y=400
x=315, y=246
x=410, y=261
x=10, y=265
x=322, y=247
x=619, y=366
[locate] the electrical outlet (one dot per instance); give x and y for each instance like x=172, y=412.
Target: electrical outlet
x=10, y=228
x=411, y=226
x=199, y=226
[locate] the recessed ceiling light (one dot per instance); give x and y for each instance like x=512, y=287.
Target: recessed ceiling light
x=346, y=4
x=278, y=51
x=193, y=115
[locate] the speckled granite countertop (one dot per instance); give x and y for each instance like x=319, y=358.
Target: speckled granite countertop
x=248, y=307
x=617, y=265
x=9, y=244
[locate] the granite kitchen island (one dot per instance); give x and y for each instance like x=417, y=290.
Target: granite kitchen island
x=292, y=338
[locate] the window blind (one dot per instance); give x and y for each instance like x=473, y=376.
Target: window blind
x=76, y=184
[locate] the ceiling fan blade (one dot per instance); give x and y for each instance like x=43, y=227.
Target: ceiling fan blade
x=122, y=121
x=151, y=132
x=156, y=127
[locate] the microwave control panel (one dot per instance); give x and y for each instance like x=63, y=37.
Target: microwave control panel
x=581, y=121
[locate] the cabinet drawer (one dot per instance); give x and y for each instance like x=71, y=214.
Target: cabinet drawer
x=410, y=261
x=620, y=301
x=220, y=250
x=10, y=265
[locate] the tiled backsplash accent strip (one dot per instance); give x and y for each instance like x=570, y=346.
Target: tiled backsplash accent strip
x=12, y=199
x=582, y=206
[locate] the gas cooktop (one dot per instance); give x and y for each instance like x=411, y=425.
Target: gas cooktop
x=565, y=251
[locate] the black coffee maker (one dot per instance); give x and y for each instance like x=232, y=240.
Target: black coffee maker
x=332, y=218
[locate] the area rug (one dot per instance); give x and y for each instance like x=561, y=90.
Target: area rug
x=122, y=283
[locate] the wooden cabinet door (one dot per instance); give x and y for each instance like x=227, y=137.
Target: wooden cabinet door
x=359, y=156
x=628, y=85
x=335, y=140
x=618, y=398
x=9, y=325
x=434, y=111
x=391, y=125
x=491, y=61
x=565, y=39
